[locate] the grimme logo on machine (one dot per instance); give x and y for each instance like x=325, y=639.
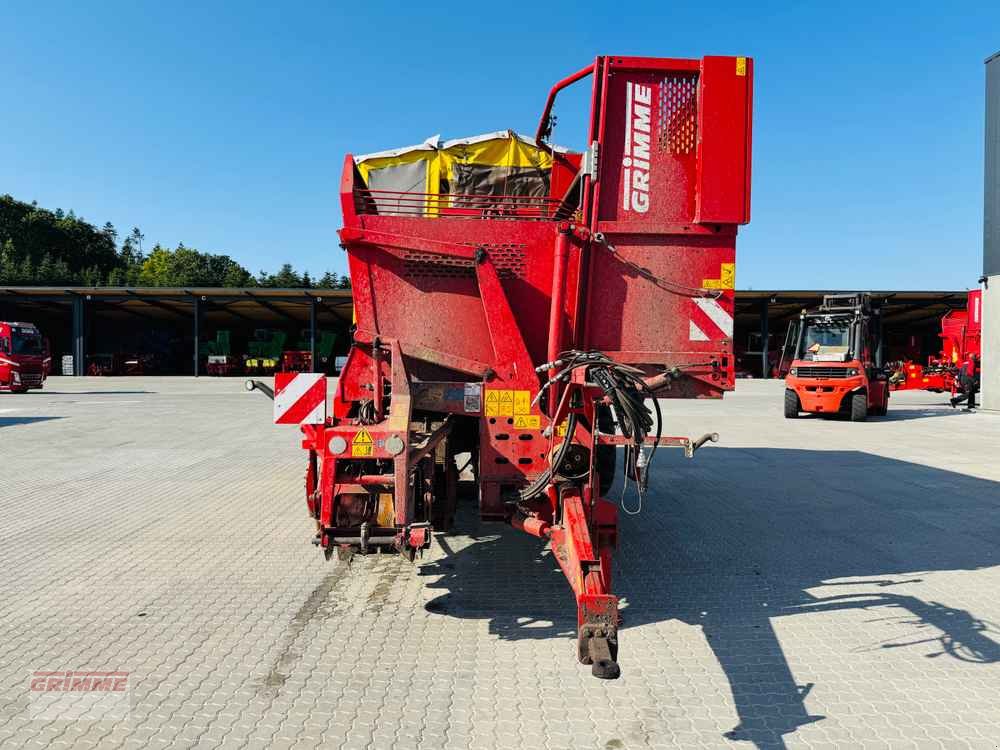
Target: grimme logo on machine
x=638, y=100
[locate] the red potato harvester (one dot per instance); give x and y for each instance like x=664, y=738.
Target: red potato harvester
x=961, y=336
x=521, y=304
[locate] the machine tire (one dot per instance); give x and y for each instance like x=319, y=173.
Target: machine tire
x=859, y=407
x=792, y=405
x=607, y=462
x=882, y=410
x=607, y=455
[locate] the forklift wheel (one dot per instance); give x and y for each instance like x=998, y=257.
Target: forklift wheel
x=792, y=404
x=859, y=407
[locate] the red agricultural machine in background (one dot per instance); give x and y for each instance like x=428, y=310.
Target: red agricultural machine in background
x=961, y=335
x=24, y=357
x=522, y=307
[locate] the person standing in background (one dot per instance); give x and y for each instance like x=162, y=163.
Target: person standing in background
x=968, y=382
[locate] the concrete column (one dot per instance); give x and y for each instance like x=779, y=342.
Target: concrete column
x=765, y=369
x=991, y=241
x=79, y=337
x=990, y=396
x=197, y=331
x=313, y=302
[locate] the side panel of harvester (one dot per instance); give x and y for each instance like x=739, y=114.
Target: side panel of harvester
x=961, y=330
x=674, y=185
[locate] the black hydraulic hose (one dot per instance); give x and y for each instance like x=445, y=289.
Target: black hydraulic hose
x=256, y=385
x=626, y=392
x=543, y=479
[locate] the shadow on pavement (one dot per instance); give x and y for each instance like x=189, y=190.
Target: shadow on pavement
x=899, y=415
x=742, y=536
x=893, y=415
x=12, y=421
x=92, y=393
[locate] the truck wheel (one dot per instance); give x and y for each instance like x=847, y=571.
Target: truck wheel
x=859, y=407
x=792, y=405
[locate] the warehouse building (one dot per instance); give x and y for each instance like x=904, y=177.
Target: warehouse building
x=169, y=330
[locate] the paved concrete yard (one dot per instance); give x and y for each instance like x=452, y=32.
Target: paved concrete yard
x=800, y=584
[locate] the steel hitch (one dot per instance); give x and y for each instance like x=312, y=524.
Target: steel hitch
x=256, y=385
x=598, y=646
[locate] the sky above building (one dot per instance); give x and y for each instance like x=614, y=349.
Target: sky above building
x=224, y=125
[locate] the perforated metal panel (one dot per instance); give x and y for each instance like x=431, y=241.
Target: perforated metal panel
x=508, y=258
x=678, y=115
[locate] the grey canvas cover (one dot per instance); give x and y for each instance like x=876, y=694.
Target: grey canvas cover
x=399, y=178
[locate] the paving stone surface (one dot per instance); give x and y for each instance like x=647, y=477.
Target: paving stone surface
x=809, y=583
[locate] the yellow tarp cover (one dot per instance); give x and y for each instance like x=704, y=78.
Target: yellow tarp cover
x=501, y=149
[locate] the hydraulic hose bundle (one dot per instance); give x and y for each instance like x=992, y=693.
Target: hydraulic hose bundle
x=625, y=392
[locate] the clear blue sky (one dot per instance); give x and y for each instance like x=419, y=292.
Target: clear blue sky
x=225, y=126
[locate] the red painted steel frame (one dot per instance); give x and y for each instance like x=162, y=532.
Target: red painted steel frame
x=455, y=310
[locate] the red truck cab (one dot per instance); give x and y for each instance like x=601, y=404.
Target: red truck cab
x=837, y=366
x=23, y=353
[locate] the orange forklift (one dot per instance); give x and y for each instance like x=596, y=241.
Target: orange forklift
x=837, y=363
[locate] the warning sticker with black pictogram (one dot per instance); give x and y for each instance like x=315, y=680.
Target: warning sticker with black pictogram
x=522, y=402
x=506, y=408
x=492, y=403
x=527, y=422
x=507, y=403
x=362, y=444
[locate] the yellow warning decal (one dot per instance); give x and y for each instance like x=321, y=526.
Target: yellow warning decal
x=726, y=280
x=741, y=66
x=527, y=422
x=522, y=402
x=362, y=444
x=561, y=428
x=507, y=403
x=492, y=403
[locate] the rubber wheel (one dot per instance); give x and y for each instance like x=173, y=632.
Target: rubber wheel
x=607, y=461
x=859, y=407
x=792, y=405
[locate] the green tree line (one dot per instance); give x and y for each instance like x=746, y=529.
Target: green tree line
x=39, y=247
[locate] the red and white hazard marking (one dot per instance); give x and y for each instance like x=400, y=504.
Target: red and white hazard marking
x=299, y=398
x=709, y=320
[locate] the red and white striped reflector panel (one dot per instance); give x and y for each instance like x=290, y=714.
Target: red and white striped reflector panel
x=299, y=398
